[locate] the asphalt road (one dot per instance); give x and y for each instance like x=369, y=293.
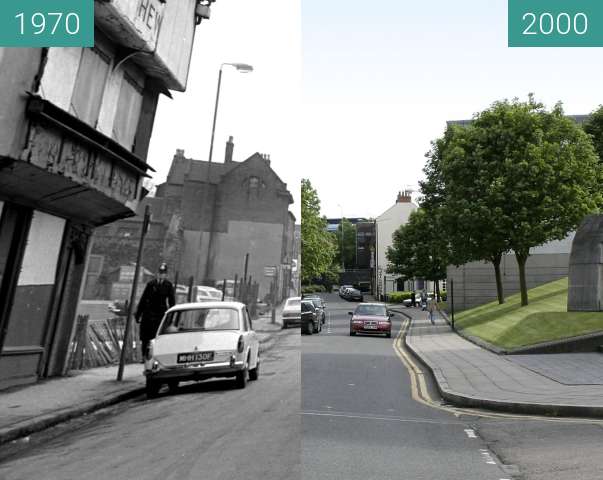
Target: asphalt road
x=350, y=415
x=208, y=431
x=359, y=420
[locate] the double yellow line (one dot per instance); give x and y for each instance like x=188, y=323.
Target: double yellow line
x=420, y=392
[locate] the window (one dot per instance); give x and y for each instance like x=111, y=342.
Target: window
x=128, y=112
x=199, y=320
x=90, y=85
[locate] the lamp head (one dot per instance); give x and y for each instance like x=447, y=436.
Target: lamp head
x=241, y=67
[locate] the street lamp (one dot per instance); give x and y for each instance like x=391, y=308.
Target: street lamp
x=341, y=224
x=241, y=67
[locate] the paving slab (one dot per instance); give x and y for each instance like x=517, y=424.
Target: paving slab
x=470, y=376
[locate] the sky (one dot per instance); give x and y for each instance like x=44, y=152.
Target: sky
x=261, y=110
x=350, y=94
x=381, y=78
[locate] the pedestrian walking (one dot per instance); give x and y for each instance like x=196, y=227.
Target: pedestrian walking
x=423, y=300
x=432, y=307
x=157, y=297
x=413, y=299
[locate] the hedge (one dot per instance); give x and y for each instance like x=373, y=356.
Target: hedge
x=313, y=289
x=398, y=297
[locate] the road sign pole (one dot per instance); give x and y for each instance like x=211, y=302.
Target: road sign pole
x=452, y=301
x=124, y=347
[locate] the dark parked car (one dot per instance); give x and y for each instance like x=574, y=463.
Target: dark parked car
x=371, y=318
x=353, y=294
x=319, y=305
x=310, y=321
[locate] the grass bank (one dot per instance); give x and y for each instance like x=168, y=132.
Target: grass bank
x=546, y=318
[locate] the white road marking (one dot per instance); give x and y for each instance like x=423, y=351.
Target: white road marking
x=351, y=384
x=487, y=457
x=374, y=417
x=470, y=433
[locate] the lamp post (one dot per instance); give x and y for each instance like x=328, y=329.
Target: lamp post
x=341, y=224
x=241, y=67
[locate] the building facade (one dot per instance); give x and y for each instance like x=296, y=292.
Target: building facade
x=208, y=217
x=74, y=134
x=385, y=226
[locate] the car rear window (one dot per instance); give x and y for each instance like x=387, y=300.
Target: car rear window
x=292, y=303
x=200, y=320
x=371, y=310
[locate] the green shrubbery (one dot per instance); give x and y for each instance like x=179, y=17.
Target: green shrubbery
x=313, y=289
x=444, y=296
x=398, y=297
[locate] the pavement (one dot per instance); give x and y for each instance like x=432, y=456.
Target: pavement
x=467, y=375
x=30, y=409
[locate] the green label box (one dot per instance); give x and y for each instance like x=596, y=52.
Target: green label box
x=46, y=23
x=555, y=23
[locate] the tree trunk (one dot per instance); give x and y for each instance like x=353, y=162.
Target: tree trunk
x=521, y=263
x=499, y=285
x=437, y=290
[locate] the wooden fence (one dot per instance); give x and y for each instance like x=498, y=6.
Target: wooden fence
x=97, y=343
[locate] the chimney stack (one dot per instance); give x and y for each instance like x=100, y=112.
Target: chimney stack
x=179, y=153
x=229, y=149
x=404, y=197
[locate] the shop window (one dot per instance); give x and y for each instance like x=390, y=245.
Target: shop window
x=90, y=85
x=128, y=112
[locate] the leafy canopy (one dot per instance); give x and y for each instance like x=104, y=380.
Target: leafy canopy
x=318, y=249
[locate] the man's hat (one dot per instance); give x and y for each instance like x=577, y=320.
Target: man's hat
x=163, y=268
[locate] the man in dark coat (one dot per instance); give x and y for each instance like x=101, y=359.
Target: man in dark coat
x=157, y=297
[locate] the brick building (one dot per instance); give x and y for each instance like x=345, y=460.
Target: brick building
x=207, y=216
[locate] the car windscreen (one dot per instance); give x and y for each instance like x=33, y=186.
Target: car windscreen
x=316, y=302
x=200, y=320
x=307, y=307
x=371, y=310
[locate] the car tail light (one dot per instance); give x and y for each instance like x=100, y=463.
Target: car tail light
x=384, y=323
x=240, y=345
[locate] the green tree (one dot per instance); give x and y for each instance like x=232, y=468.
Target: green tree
x=349, y=244
x=318, y=249
x=523, y=175
x=594, y=127
x=419, y=250
x=468, y=218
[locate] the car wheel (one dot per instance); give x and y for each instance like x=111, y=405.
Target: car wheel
x=173, y=386
x=315, y=327
x=352, y=333
x=241, y=378
x=284, y=325
x=388, y=335
x=255, y=373
x=152, y=388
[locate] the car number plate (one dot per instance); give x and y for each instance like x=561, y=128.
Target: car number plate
x=195, y=357
x=370, y=327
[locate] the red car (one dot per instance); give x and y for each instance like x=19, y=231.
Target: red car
x=371, y=318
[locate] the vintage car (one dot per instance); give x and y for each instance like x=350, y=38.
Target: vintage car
x=291, y=312
x=371, y=318
x=197, y=341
